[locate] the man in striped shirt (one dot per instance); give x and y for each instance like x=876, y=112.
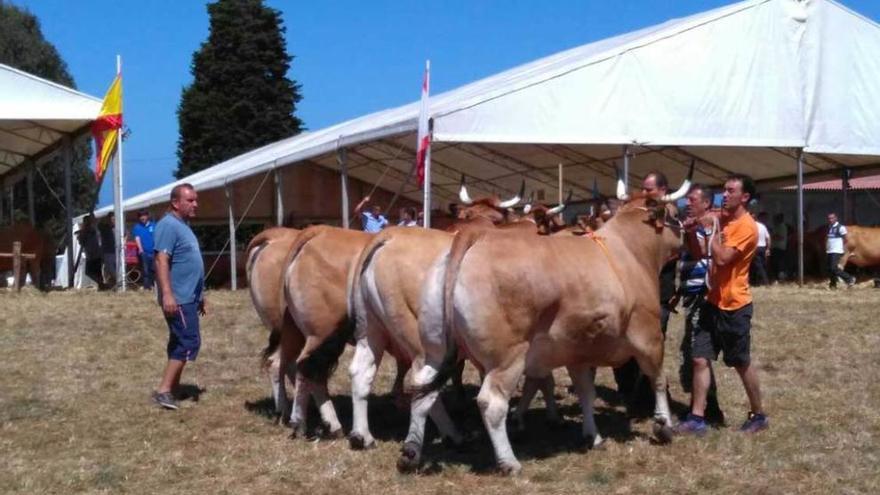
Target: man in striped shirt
x=694, y=268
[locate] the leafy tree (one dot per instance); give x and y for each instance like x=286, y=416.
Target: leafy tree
x=240, y=97
x=23, y=46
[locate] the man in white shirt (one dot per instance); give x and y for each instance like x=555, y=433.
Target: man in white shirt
x=834, y=249
x=759, y=262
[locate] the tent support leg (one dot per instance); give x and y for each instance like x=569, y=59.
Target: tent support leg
x=426, y=207
x=626, y=156
x=800, y=214
x=232, y=248
x=279, y=198
x=32, y=215
x=67, y=157
x=343, y=168
x=844, y=187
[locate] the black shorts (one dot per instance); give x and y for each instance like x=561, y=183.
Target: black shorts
x=725, y=331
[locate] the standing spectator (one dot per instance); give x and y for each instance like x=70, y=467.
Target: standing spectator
x=758, y=274
x=373, y=220
x=726, y=316
x=778, y=246
x=694, y=270
x=107, y=230
x=143, y=237
x=90, y=244
x=180, y=273
x=834, y=248
x=408, y=217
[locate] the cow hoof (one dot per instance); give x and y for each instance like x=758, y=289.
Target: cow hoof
x=663, y=432
x=336, y=434
x=298, y=430
x=409, y=458
x=357, y=442
x=511, y=468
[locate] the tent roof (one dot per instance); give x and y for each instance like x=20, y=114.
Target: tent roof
x=739, y=88
x=857, y=184
x=35, y=114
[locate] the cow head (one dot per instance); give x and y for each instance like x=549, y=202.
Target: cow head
x=544, y=217
x=491, y=208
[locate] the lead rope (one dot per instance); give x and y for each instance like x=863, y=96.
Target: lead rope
x=709, y=267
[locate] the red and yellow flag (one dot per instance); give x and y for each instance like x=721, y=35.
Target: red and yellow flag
x=105, y=128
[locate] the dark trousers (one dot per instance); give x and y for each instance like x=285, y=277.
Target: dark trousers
x=759, y=268
x=147, y=268
x=833, y=260
x=777, y=263
x=93, y=271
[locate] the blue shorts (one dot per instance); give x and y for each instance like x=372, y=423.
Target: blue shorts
x=184, y=340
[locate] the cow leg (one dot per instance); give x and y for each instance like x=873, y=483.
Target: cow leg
x=326, y=410
x=411, y=452
x=299, y=411
x=401, y=398
x=844, y=259
x=367, y=357
x=651, y=365
x=548, y=391
x=281, y=365
x=530, y=388
x=584, y=380
x=493, y=401
x=276, y=380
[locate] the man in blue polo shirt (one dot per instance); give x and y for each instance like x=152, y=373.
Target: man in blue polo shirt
x=372, y=221
x=180, y=272
x=143, y=236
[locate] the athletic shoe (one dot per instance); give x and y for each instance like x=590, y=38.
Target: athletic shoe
x=692, y=425
x=165, y=400
x=755, y=423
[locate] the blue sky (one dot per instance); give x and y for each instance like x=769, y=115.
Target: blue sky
x=351, y=57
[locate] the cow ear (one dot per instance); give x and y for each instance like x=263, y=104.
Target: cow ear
x=658, y=215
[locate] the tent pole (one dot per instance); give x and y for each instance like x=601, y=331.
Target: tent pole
x=800, y=214
x=232, y=248
x=343, y=167
x=68, y=206
x=279, y=198
x=32, y=215
x=426, y=203
x=626, y=166
x=12, y=203
x=844, y=187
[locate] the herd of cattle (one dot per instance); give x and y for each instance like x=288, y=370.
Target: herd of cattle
x=509, y=290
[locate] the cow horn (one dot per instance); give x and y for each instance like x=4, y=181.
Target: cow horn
x=561, y=206
x=463, y=194
x=592, y=210
x=528, y=206
x=621, y=187
x=595, y=188
x=685, y=187
x=516, y=199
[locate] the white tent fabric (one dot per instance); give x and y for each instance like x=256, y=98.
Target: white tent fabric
x=36, y=113
x=739, y=88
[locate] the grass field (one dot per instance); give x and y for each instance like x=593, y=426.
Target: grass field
x=76, y=370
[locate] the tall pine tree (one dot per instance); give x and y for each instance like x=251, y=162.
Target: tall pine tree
x=23, y=46
x=240, y=97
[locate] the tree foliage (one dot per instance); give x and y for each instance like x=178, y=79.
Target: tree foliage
x=240, y=97
x=23, y=46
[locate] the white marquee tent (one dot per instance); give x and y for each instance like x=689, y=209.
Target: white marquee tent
x=38, y=119
x=778, y=89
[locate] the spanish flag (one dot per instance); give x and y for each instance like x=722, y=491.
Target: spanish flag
x=105, y=128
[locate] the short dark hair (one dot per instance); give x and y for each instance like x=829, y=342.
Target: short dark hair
x=411, y=210
x=659, y=179
x=143, y=212
x=748, y=184
x=704, y=190
x=175, y=191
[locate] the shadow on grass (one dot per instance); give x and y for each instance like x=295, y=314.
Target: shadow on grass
x=189, y=391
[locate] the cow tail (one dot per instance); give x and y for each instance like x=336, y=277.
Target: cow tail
x=356, y=273
x=271, y=348
x=461, y=244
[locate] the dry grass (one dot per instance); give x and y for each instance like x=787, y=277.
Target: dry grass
x=77, y=369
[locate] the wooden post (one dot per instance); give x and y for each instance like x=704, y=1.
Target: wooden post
x=16, y=265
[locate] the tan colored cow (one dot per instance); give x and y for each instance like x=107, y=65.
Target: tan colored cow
x=515, y=304
x=315, y=281
x=384, y=295
x=861, y=247
x=266, y=255
x=32, y=242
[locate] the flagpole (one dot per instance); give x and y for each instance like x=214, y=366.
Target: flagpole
x=426, y=207
x=117, y=202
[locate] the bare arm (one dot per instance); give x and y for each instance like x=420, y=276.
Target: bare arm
x=360, y=206
x=137, y=239
x=163, y=275
x=722, y=255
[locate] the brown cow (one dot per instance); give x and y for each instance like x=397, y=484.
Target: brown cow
x=33, y=242
x=266, y=255
x=384, y=294
x=861, y=247
x=315, y=281
x=522, y=304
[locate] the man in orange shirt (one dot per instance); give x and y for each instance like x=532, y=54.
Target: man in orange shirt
x=726, y=318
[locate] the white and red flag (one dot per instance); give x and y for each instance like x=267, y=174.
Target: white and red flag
x=424, y=136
